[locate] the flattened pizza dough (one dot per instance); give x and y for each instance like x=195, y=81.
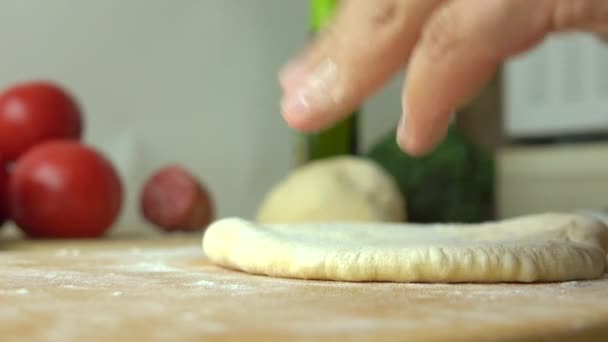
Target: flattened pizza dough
x=536, y=248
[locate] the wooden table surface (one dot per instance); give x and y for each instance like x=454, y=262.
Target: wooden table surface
x=165, y=289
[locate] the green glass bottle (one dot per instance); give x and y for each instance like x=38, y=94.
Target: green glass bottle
x=341, y=138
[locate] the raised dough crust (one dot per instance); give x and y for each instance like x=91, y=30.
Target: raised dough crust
x=544, y=247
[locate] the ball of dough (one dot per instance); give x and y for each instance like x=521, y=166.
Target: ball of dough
x=343, y=188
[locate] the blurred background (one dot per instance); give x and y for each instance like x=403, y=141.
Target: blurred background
x=195, y=82
x=186, y=81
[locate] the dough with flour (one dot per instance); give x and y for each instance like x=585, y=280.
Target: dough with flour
x=543, y=247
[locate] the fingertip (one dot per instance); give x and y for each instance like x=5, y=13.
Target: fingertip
x=402, y=135
x=420, y=137
x=292, y=74
x=412, y=146
x=299, y=115
x=417, y=148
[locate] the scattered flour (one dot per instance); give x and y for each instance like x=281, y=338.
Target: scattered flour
x=174, y=290
x=574, y=284
x=204, y=283
x=21, y=291
x=189, y=316
x=149, y=266
x=67, y=252
x=232, y=286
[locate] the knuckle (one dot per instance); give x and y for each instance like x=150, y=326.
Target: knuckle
x=384, y=13
x=474, y=24
x=384, y=17
x=441, y=35
x=573, y=13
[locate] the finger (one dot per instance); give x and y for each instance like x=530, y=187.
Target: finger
x=365, y=45
x=588, y=15
x=460, y=49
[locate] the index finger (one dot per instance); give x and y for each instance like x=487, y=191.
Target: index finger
x=364, y=46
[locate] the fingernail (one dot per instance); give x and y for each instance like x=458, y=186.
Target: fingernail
x=292, y=73
x=295, y=104
x=452, y=117
x=426, y=138
x=317, y=92
x=410, y=141
x=402, y=133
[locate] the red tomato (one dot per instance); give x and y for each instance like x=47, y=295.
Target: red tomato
x=34, y=112
x=174, y=200
x=4, y=177
x=64, y=189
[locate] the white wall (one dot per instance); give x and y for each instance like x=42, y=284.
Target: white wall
x=192, y=81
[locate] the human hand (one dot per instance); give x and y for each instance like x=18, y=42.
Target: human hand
x=451, y=49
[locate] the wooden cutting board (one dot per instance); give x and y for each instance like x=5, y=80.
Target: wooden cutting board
x=165, y=289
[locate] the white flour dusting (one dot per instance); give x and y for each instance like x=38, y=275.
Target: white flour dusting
x=223, y=285
x=157, y=266
x=574, y=284
x=68, y=252
x=174, y=292
x=189, y=316
x=12, y=292
x=205, y=283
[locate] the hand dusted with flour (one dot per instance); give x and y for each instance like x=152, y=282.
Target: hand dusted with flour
x=535, y=248
x=450, y=49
